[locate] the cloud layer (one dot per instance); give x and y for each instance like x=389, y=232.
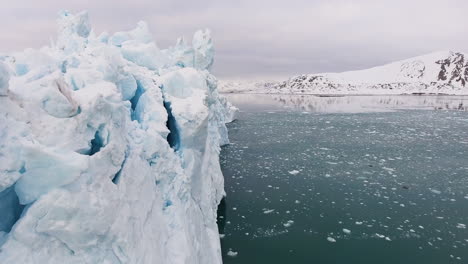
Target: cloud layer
x=265, y=39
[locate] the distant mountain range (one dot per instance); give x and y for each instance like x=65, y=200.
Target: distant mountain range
x=443, y=72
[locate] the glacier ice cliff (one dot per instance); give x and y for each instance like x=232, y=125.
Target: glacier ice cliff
x=109, y=149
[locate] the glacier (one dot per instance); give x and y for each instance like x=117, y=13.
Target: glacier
x=109, y=149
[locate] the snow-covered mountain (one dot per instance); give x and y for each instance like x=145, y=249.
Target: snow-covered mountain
x=109, y=150
x=440, y=72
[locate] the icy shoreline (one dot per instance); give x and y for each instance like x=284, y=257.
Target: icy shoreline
x=109, y=149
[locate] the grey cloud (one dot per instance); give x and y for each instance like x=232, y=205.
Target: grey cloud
x=265, y=39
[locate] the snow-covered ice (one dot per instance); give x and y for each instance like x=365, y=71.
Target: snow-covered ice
x=109, y=149
x=288, y=223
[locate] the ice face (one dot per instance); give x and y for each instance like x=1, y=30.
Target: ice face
x=4, y=79
x=203, y=46
x=109, y=150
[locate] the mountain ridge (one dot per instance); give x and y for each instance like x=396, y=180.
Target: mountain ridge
x=438, y=72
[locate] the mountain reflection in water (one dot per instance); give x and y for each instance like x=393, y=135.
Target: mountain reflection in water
x=349, y=104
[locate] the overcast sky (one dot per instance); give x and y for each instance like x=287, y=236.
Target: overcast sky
x=260, y=38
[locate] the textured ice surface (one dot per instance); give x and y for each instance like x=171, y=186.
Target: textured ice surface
x=109, y=149
x=4, y=79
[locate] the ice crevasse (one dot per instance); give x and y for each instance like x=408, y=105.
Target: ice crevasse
x=109, y=149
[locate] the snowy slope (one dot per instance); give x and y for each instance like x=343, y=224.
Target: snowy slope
x=109, y=149
x=440, y=72
x=228, y=86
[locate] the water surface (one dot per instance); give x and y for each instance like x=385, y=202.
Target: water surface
x=359, y=179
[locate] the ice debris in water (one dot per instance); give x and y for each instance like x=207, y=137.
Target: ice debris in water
x=109, y=149
x=288, y=223
x=293, y=172
x=231, y=253
x=331, y=239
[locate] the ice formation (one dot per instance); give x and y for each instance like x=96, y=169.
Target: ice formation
x=109, y=149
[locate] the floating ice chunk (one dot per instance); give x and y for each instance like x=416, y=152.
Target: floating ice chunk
x=461, y=226
x=331, y=239
x=231, y=253
x=268, y=211
x=346, y=231
x=293, y=172
x=435, y=191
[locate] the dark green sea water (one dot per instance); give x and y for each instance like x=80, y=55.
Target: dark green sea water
x=380, y=179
